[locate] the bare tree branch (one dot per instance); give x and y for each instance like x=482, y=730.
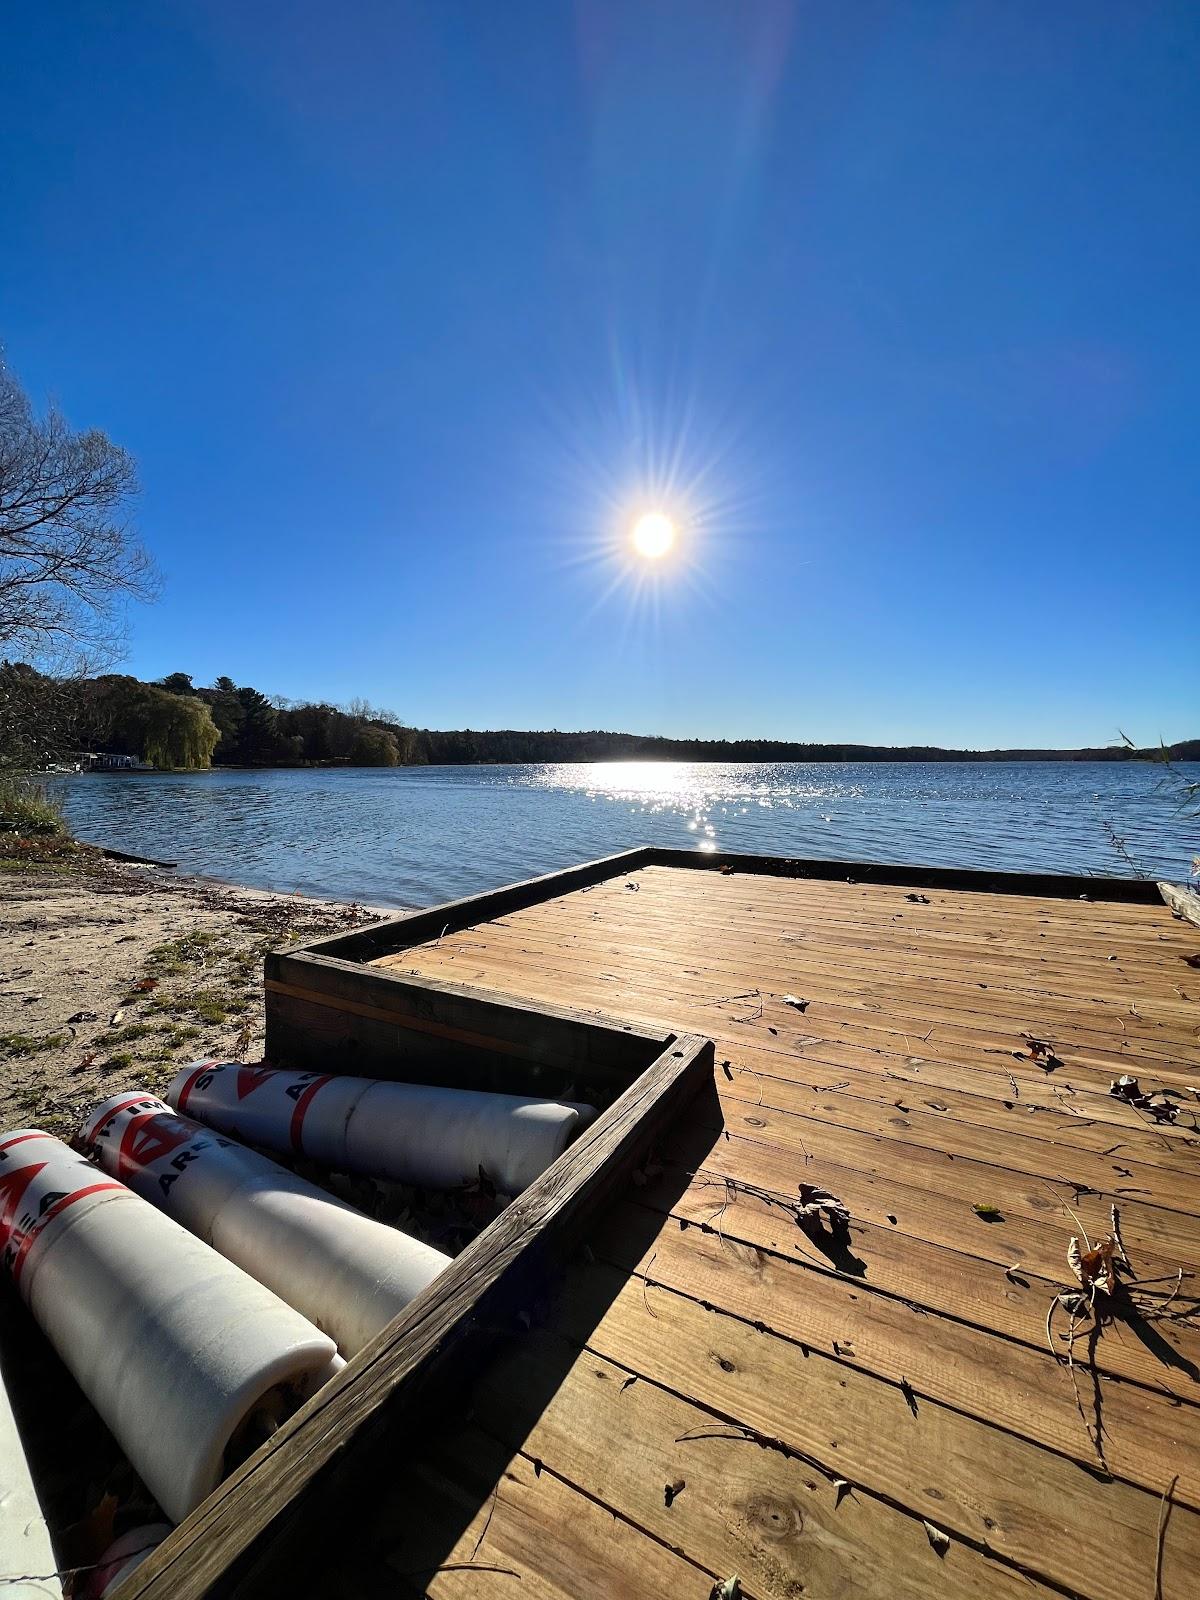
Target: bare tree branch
x=69, y=558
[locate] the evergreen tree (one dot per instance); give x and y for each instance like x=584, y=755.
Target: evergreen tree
x=258, y=738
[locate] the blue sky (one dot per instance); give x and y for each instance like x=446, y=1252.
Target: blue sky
x=407, y=309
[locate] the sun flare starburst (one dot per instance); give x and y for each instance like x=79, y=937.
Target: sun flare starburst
x=663, y=493
x=653, y=535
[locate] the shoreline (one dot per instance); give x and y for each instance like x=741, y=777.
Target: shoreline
x=885, y=758
x=116, y=974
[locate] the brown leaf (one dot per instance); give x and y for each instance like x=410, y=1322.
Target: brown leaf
x=816, y=1202
x=87, y=1540
x=1042, y=1053
x=1094, y=1268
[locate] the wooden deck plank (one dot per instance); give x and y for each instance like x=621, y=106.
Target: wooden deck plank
x=1080, y=1146
x=755, y=892
x=961, y=977
x=964, y=976
x=959, y=1365
x=823, y=1094
x=1157, y=1206
x=1036, y=1235
x=1069, y=951
x=527, y=1533
x=789, y=904
x=999, y=923
x=801, y=1057
x=978, y=980
x=703, y=1287
x=981, y=1483
x=878, y=1008
x=1008, y=1299
x=600, y=989
x=781, y=1525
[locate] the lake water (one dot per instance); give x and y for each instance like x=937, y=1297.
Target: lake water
x=417, y=835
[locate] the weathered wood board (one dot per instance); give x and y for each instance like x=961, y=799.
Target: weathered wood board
x=714, y=1389
x=262, y=1529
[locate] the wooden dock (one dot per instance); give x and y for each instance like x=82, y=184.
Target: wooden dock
x=872, y=1410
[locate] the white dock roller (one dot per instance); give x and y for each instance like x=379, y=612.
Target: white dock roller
x=123, y=1556
x=409, y=1132
x=27, y=1564
x=347, y=1273
x=184, y=1356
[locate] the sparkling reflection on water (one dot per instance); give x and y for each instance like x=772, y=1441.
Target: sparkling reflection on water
x=417, y=835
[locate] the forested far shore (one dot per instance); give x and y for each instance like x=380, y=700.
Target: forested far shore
x=172, y=723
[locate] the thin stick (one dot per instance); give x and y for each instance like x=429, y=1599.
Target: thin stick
x=1075, y=1382
x=1069, y=1212
x=1173, y=1293
x=645, y=1287
x=1117, y=1239
x=463, y=1566
x=1049, y=1335
x=488, y=1523
x=1163, y=1517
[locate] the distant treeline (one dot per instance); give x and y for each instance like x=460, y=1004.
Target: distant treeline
x=173, y=722
x=465, y=745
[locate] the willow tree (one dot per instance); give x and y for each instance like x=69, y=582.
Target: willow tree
x=177, y=730
x=374, y=747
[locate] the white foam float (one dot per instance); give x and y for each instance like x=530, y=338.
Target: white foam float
x=27, y=1564
x=182, y=1353
x=123, y=1556
x=346, y=1272
x=410, y=1132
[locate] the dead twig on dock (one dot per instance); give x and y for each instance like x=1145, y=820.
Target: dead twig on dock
x=1164, y=1516
x=1109, y=1292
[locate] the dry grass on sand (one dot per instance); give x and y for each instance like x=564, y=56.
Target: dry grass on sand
x=113, y=976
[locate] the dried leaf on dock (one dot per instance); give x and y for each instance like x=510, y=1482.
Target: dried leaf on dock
x=816, y=1203
x=1095, y=1268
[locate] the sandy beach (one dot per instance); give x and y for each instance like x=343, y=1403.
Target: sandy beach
x=113, y=975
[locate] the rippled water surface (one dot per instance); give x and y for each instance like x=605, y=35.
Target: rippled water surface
x=417, y=835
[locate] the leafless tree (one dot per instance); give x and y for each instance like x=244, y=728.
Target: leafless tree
x=69, y=558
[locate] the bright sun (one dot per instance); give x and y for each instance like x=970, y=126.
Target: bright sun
x=653, y=535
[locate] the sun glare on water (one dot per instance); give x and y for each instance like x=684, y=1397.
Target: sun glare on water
x=653, y=535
